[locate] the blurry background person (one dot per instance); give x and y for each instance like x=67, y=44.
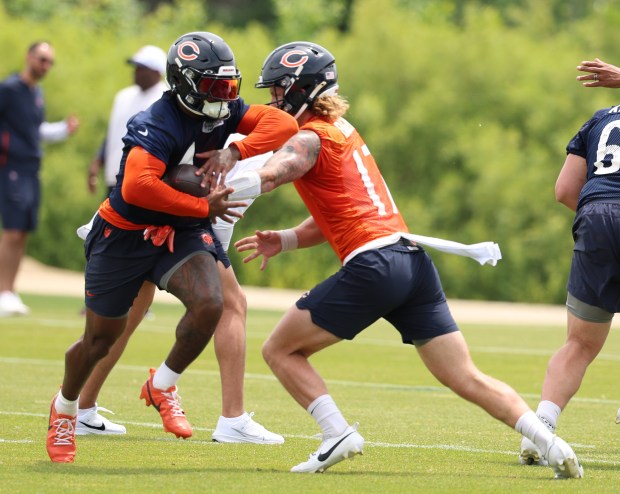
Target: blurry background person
x=22, y=127
x=149, y=67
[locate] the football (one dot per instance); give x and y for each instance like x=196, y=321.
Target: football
x=184, y=178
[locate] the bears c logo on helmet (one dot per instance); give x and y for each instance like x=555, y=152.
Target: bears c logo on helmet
x=286, y=58
x=183, y=48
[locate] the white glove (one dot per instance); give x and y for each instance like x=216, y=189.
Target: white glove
x=247, y=185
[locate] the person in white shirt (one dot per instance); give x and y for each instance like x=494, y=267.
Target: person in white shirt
x=149, y=67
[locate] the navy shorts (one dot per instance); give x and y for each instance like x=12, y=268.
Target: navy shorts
x=595, y=269
x=398, y=283
x=119, y=261
x=20, y=196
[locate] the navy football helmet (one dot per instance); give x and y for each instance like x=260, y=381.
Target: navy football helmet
x=202, y=72
x=305, y=71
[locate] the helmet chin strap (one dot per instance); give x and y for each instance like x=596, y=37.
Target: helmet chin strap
x=310, y=98
x=332, y=91
x=187, y=107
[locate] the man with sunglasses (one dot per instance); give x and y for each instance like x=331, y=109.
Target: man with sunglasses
x=22, y=127
x=148, y=231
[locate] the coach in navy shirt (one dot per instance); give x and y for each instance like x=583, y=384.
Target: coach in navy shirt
x=22, y=127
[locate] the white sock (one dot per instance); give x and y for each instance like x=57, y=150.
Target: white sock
x=64, y=406
x=165, y=378
x=82, y=411
x=535, y=430
x=233, y=420
x=548, y=412
x=328, y=416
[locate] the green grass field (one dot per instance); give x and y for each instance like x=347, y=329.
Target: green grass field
x=419, y=436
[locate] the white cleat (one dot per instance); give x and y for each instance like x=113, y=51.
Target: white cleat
x=618, y=417
x=11, y=305
x=563, y=460
x=90, y=422
x=244, y=430
x=530, y=454
x=332, y=451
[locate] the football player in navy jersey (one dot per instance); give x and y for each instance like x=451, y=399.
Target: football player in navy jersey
x=148, y=231
x=600, y=74
x=589, y=184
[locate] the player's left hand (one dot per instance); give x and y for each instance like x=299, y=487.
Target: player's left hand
x=266, y=244
x=221, y=207
x=217, y=164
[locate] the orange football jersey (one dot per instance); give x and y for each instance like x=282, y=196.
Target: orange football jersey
x=345, y=191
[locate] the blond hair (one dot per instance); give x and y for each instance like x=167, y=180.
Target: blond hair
x=331, y=107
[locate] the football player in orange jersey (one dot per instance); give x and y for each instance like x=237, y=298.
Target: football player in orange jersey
x=384, y=273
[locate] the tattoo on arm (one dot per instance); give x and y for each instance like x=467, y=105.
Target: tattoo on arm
x=292, y=161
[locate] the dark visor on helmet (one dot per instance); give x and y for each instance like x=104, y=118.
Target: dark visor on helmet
x=219, y=89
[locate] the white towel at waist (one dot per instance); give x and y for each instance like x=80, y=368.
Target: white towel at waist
x=483, y=252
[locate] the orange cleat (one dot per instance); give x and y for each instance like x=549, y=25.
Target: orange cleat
x=168, y=404
x=60, y=436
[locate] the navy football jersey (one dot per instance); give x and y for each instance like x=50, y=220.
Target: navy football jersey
x=166, y=132
x=598, y=141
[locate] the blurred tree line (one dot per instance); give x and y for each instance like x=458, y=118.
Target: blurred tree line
x=466, y=105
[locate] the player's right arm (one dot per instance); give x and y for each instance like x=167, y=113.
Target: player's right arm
x=296, y=157
x=571, y=180
x=293, y=161
x=143, y=187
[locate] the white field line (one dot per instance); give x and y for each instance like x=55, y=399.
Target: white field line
x=381, y=386
x=337, y=382
x=528, y=352
x=591, y=459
